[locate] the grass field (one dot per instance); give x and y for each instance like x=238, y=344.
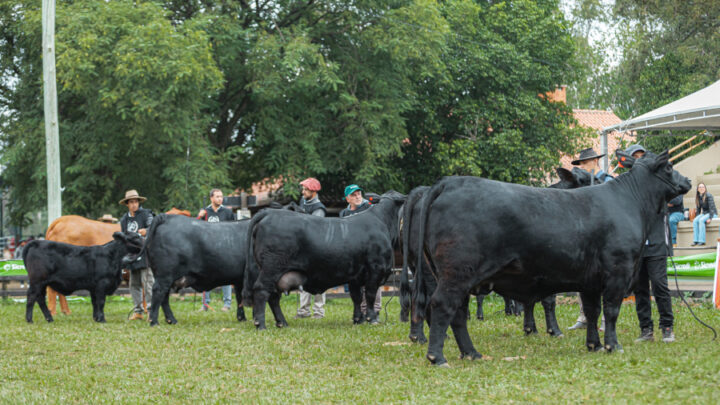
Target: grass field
x=209, y=357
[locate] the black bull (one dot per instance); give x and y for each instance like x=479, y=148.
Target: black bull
x=68, y=268
x=313, y=253
x=410, y=226
x=528, y=243
x=185, y=252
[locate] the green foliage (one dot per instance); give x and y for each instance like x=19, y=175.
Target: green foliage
x=172, y=98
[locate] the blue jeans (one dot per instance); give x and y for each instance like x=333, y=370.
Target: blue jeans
x=673, y=219
x=699, y=228
x=227, y=296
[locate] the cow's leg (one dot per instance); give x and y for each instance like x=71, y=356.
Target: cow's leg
x=100, y=304
x=509, y=306
x=160, y=291
x=93, y=300
x=167, y=311
x=240, y=309
x=612, y=302
x=551, y=323
x=370, y=294
x=529, y=325
x=33, y=295
x=274, y=302
x=444, y=304
x=260, y=299
x=356, y=296
x=43, y=304
x=480, y=314
x=591, y=307
x=462, y=337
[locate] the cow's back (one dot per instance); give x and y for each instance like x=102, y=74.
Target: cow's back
x=80, y=231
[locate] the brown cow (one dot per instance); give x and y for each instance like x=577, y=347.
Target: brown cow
x=81, y=231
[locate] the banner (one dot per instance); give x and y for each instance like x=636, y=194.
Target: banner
x=12, y=268
x=716, y=284
x=702, y=265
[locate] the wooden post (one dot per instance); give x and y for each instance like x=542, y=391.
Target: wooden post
x=52, y=147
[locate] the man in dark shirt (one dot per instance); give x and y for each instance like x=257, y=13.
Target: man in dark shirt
x=137, y=219
x=310, y=204
x=356, y=205
x=216, y=212
x=676, y=213
x=653, y=268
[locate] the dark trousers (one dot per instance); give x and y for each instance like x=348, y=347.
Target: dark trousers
x=653, y=269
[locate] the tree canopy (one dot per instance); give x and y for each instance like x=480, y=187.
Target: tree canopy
x=173, y=98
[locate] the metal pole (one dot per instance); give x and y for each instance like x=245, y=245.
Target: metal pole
x=52, y=147
x=605, y=160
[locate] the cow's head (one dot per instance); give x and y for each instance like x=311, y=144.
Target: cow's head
x=672, y=183
x=134, y=244
x=396, y=197
x=572, y=179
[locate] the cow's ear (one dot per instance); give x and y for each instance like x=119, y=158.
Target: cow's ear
x=565, y=175
x=662, y=159
x=119, y=236
x=624, y=160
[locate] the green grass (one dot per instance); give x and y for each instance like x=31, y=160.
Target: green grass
x=210, y=357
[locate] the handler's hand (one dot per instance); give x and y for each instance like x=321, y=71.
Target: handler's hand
x=708, y=221
x=142, y=232
x=201, y=213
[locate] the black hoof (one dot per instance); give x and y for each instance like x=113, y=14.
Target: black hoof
x=529, y=331
x=49, y=320
x=357, y=321
x=153, y=323
x=438, y=362
x=281, y=324
x=29, y=321
x=480, y=318
x=471, y=356
x=592, y=347
x=171, y=321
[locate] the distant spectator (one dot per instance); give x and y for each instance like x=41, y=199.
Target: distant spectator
x=705, y=212
x=6, y=254
x=356, y=205
x=310, y=204
x=589, y=161
x=108, y=219
x=19, y=249
x=675, y=214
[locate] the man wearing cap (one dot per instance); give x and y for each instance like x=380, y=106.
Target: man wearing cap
x=310, y=204
x=589, y=161
x=217, y=212
x=356, y=205
x=137, y=219
x=653, y=269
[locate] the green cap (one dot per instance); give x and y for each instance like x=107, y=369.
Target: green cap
x=351, y=189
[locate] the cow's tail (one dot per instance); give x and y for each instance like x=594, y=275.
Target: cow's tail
x=251, y=270
x=405, y=291
x=420, y=293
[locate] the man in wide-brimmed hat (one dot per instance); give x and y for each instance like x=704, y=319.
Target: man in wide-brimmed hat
x=107, y=218
x=589, y=161
x=137, y=219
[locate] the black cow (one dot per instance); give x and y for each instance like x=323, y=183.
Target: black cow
x=184, y=252
x=410, y=226
x=68, y=268
x=528, y=243
x=313, y=254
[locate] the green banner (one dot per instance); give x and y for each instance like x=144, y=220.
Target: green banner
x=12, y=268
x=702, y=265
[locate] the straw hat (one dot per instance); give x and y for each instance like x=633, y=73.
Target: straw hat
x=132, y=195
x=108, y=218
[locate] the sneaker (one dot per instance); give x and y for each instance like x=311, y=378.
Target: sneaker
x=578, y=325
x=225, y=309
x=668, y=335
x=646, y=335
x=136, y=316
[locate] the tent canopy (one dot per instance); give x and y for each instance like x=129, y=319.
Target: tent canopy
x=698, y=111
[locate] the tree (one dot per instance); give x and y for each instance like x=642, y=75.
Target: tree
x=130, y=89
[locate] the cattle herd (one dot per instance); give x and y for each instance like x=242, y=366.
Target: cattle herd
x=461, y=236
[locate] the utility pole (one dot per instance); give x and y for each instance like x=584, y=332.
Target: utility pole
x=52, y=144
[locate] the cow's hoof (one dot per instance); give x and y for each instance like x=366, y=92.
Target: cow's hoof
x=374, y=322
x=49, y=320
x=437, y=361
x=471, y=356
x=171, y=321
x=530, y=331
x=480, y=318
x=153, y=323
x=592, y=347
x=101, y=321
x=357, y=321
x=557, y=335
x=610, y=349
x=29, y=321
x=242, y=319
x=281, y=324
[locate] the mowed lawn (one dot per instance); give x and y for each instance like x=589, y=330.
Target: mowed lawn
x=210, y=357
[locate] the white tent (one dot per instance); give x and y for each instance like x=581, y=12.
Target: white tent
x=697, y=111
